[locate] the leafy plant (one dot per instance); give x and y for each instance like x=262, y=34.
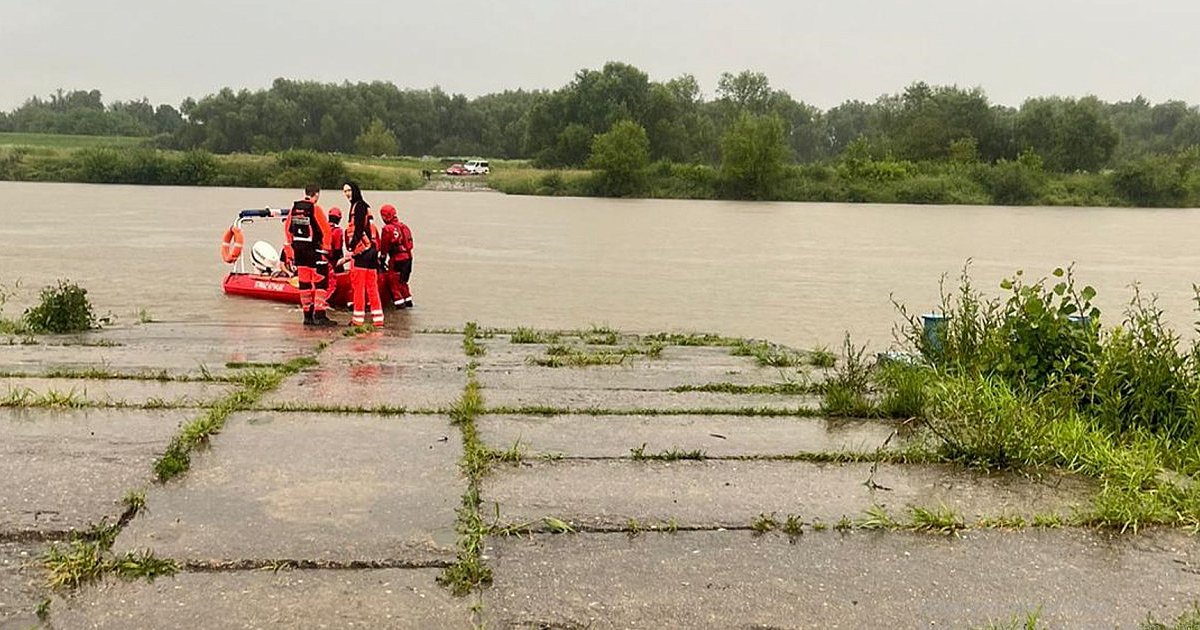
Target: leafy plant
x=63, y=309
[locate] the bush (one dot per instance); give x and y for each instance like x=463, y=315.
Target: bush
x=1152, y=181
x=1038, y=336
x=63, y=309
x=195, y=168
x=99, y=165
x=1142, y=381
x=1014, y=183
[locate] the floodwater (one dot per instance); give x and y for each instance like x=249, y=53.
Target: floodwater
x=798, y=273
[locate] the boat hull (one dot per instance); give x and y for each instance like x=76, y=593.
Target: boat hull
x=260, y=287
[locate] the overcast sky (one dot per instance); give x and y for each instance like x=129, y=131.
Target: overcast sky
x=822, y=52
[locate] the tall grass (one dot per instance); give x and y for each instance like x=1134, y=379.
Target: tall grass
x=1032, y=378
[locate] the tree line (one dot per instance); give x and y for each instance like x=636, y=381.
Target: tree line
x=557, y=128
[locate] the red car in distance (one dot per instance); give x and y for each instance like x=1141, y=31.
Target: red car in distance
x=457, y=169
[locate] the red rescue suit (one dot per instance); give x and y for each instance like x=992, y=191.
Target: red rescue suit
x=364, y=281
x=308, y=233
x=396, y=244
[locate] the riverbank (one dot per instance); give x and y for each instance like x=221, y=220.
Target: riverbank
x=1156, y=182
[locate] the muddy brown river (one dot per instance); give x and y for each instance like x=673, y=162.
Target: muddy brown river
x=802, y=274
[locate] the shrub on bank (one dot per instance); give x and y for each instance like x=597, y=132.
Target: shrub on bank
x=62, y=309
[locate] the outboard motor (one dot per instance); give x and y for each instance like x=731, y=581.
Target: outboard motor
x=264, y=257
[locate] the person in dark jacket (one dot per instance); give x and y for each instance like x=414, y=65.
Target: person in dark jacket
x=364, y=258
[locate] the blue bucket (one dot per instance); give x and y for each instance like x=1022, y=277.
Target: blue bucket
x=935, y=330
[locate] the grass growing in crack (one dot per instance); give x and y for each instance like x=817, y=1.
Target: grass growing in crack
x=529, y=335
x=1187, y=620
x=692, y=339
x=764, y=523
x=86, y=558
x=134, y=502
x=1013, y=521
x=673, y=454
x=515, y=454
x=26, y=397
x=787, y=389
x=562, y=355
x=558, y=526
x=470, y=341
x=844, y=524
x=254, y=384
x=822, y=358
x=941, y=520
x=468, y=571
x=1028, y=621
x=546, y=410
x=877, y=517
x=42, y=612
x=600, y=336
x=793, y=526
x=768, y=354
x=1048, y=521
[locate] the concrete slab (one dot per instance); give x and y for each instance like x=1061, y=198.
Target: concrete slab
x=677, y=366
x=632, y=400
x=117, y=392
x=177, y=348
x=829, y=580
x=711, y=493
x=717, y=436
x=404, y=350
x=417, y=372
x=501, y=353
x=320, y=487
x=21, y=584
x=380, y=598
x=423, y=387
x=61, y=470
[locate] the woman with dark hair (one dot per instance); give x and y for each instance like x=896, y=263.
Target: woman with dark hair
x=360, y=245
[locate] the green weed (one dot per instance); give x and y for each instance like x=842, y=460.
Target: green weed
x=764, y=523
x=941, y=520
x=877, y=517
x=62, y=309
x=847, y=391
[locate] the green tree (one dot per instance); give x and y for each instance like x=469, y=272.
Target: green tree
x=753, y=156
x=1071, y=134
x=377, y=139
x=621, y=155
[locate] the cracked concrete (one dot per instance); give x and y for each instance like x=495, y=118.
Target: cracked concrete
x=366, y=504
x=301, y=486
x=62, y=470
x=1077, y=579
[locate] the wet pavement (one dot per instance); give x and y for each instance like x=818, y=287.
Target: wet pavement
x=343, y=516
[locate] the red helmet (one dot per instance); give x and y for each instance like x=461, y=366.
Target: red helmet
x=387, y=212
x=335, y=213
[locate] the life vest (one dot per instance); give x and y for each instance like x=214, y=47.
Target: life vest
x=302, y=222
x=338, y=237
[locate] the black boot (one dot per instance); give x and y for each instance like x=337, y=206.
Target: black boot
x=308, y=318
x=322, y=319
